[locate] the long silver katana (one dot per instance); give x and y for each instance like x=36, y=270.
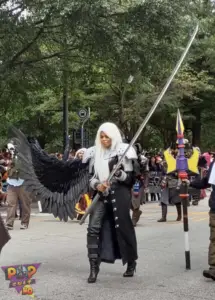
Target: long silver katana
x=142, y=126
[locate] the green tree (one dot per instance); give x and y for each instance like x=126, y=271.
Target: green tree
x=86, y=51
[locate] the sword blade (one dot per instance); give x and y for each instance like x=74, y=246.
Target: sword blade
x=145, y=121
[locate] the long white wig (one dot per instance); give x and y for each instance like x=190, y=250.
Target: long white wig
x=101, y=162
x=79, y=151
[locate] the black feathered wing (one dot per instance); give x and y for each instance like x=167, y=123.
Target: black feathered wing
x=57, y=184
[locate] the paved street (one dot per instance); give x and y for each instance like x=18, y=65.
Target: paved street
x=61, y=248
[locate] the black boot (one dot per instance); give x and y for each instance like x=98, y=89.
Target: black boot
x=178, y=208
x=209, y=273
x=93, y=254
x=164, y=212
x=195, y=202
x=131, y=268
x=136, y=216
x=94, y=270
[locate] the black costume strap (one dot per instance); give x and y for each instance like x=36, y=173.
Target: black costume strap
x=93, y=246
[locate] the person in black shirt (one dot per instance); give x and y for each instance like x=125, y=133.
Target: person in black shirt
x=205, y=182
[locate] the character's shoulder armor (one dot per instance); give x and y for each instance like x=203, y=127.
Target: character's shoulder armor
x=89, y=154
x=131, y=154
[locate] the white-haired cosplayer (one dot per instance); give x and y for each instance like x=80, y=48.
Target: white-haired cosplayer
x=80, y=153
x=111, y=233
x=11, y=149
x=59, y=186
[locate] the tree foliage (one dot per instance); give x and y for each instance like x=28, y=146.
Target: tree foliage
x=89, y=49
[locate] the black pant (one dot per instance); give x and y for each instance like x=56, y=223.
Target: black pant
x=94, y=230
x=105, y=218
x=153, y=197
x=20, y=208
x=147, y=197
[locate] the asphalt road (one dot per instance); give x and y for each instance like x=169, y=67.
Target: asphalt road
x=61, y=250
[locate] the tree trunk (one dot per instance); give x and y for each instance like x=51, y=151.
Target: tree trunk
x=196, y=128
x=65, y=109
x=169, y=138
x=165, y=138
x=42, y=141
x=173, y=137
x=121, y=110
x=65, y=86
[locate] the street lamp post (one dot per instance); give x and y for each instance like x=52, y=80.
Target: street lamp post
x=122, y=100
x=84, y=115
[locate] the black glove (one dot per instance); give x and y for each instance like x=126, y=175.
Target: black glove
x=118, y=173
x=121, y=175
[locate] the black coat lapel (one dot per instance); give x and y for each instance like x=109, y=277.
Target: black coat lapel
x=112, y=162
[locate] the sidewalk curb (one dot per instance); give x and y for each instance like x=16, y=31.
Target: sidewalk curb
x=34, y=215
